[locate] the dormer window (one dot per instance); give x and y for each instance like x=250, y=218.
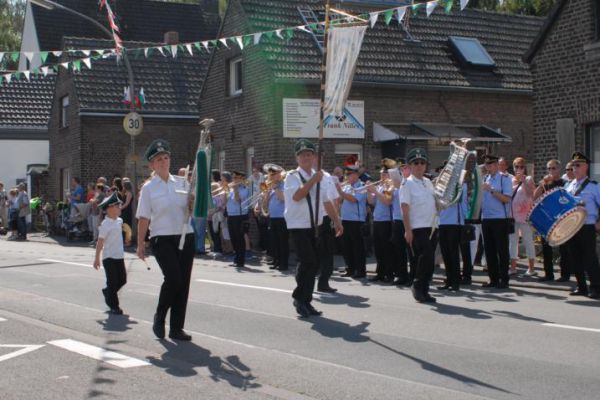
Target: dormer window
x=471, y=53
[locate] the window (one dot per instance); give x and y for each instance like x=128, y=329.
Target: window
x=64, y=111
x=65, y=183
x=347, y=151
x=593, y=150
x=470, y=52
x=235, y=77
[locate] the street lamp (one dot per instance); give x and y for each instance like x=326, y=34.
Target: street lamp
x=51, y=5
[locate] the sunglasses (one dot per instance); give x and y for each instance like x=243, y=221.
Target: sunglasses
x=490, y=162
x=419, y=163
x=569, y=170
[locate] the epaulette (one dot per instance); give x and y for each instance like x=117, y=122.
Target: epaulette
x=594, y=182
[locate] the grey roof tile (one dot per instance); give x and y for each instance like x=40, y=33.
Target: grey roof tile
x=26, y=104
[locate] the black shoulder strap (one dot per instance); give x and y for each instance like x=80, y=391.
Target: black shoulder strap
x=308, y=200
x=583, y=185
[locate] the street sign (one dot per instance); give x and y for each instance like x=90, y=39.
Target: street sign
x=133, y=123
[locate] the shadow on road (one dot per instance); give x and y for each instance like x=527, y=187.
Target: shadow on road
x=116, y=323
x=345, y=299
x=339, y=330
x=182, y=358
x=438, y=370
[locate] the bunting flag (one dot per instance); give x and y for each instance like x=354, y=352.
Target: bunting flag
x=1, y=56
x=342, y=54
x=373, y=19
x=126, y=96
x=189, y=49
x=87, y=62
x=400, y=12
x=430, y=7
x=174, y=50
x=463, y=4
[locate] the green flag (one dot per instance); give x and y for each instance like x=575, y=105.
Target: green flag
x=44, y=56
x=389, y=14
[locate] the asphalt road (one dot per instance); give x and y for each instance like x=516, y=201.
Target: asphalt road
x=372, y=342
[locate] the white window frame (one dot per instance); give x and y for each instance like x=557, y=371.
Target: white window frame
x=349, y=148
x=234, y=90
x=66, y=182
x=64, y=111
x=221, y=160
x=593, y=150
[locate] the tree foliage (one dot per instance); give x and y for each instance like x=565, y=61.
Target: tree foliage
x=12, y=13
x=525, y=7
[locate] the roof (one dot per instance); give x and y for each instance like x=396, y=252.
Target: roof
x=139, y=20
x=388, y=58
x=171, y=85
x=436, y=131
x=26, y=105
x=539, y=40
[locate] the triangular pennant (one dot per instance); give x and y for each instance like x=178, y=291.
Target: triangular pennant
x=44, y=71
x=303, y=28
x=257, y=37
x=55, y=68
x=214, y=42
x=463, y=4
x=17, y=75
x=57, y=53
x=86, y=52
x=8, y=77
x=27, y=74
x=400, y=12
x=205, y=44
x=14, y=57
x=189, y=49
x=65, y=65
x=239, y=41
x=161, y=51
x=224, y=41
x=247, y=40
x=278, y=33
x=77, y=65
x=269, y=34
x=146, y=51
x=99, y=52
x=373, y=18
x=388, y=14
x=28, y=55
x=174, y=50
x=448, y=6
x=44, y=56
x=289, y=33
x=1, y=56
x=87, y=62
x=431, y=5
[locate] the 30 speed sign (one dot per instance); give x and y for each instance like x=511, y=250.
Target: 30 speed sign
x=133, y=124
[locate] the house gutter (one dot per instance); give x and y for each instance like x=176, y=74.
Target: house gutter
x=146, y=116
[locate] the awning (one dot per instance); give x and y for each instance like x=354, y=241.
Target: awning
x=37, y=169
x=436, y=132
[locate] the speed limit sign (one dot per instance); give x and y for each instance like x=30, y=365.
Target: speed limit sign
x=133, y=124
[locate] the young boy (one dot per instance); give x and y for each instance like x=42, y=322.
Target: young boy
x=110, y=245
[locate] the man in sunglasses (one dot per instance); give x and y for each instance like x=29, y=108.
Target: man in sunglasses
x=550, y=181
x=582, y=246
x=419, y=212
x=495, y=223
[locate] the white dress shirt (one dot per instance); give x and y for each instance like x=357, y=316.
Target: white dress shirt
x=111, y=231
x=296, y=214
x=418, y=194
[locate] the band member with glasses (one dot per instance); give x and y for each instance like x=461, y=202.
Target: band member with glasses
x=523, y=187
x=551, y=181
x=582, y=246
x=495, y=223
x=420, y=212
x=569, y=175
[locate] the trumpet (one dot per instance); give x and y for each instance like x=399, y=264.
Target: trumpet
x=363, y=188
x=228, y=188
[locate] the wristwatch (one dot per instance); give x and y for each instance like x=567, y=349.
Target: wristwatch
x=492, y=192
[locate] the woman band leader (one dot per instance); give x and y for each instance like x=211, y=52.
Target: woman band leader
x=163, y=208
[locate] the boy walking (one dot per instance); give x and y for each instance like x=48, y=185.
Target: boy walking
x=110, y=246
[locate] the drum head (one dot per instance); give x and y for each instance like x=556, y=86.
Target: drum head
x=566, y=227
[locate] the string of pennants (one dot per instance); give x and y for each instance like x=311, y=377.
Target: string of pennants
x=202, y=46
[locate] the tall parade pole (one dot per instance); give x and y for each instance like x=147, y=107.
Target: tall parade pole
x=322, y=113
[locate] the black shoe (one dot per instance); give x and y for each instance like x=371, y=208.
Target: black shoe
x=180, y=335
x=563, y=279
x=359, y=276
x=376, y=278
x=347, y=274
x=283, y=268
x=546, y=279
x=454, y=288
x=490, y=285
x=409, y=283
x=301, y=309
x=427, y=298
x=578, y=292
x=465, y=281
x=388, y=279
x=158, y=327
x=312, y=310
x=594, y=294
x=327, y=289
x=502, y=285
x=400, y=282
x=445, y=287
x=273, y=266
x=116, y=311
x=419, y=296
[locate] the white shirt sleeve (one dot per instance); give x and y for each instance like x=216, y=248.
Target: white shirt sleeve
x=103, y=229
x=143, y=209
x=291, y=185
x=405, y=193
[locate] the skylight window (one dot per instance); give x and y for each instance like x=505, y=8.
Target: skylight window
x=471, y=52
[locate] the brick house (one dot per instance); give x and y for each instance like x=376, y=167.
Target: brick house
x=412, y=85
x=565, y=64
x=87, y=138
x=24, y=113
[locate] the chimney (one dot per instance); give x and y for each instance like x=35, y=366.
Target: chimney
x=171, y=38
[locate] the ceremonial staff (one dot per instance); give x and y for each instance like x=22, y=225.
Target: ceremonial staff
x=322, y=114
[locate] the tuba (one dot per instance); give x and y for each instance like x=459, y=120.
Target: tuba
x=447, y=188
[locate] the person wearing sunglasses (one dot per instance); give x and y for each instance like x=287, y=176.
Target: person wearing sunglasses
x=523, y=187
x=550, y=181
x=419, y=212
x=495, y=223
x=569, y=175
x=582, y=246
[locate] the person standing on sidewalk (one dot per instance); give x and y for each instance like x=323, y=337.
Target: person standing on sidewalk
x=3, y=207
x=24, y=211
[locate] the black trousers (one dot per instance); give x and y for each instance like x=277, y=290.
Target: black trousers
x=354, y=248
x=116, y=278
x=495, y=243
x=547, y=251
x=583, y=257
x=424, y=255
x=215, y=237
x=237, y=226
x=307, y=252
x=467, y=267
x=176, y=266
x=280, y=249
x=326, y=248
x=262, y=223
x=450, y=247
x=400, y=252
x=382, y=244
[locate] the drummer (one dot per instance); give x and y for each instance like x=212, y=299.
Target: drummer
x=551, y=181
x=582, y=246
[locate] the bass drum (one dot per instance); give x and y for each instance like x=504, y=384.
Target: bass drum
x=557, y=216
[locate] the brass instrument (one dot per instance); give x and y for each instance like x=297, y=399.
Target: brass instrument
x=449, y=181
x=228, y=188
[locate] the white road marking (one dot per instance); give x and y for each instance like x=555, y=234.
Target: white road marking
x=270, y=289
x=2, y=319
x=25, y=348
x=576, y=328
x=98, y=353
x=90, y=265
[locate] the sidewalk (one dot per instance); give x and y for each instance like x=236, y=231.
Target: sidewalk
x=479, y=276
